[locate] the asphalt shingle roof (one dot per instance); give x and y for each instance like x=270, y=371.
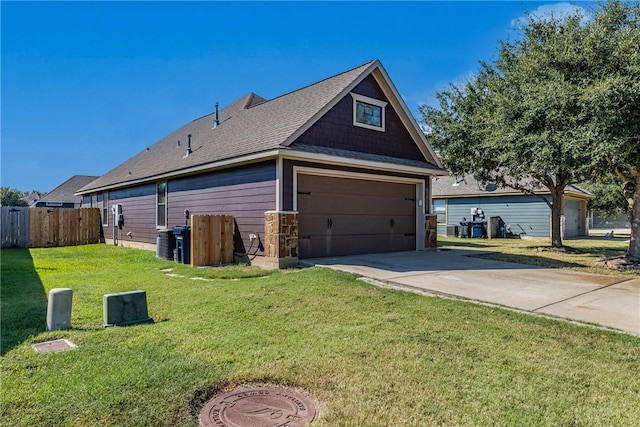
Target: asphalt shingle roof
x=443, y=186
x=65, y=192
x=247, y=126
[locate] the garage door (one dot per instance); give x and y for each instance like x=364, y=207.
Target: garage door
x=571, y=218
x=340, y=216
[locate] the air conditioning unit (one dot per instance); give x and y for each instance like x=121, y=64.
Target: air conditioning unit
x=166, y=244
x=452, y=230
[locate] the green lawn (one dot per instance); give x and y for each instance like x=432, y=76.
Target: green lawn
x=587, y=255
x=367, y=356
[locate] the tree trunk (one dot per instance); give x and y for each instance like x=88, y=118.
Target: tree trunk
x=633, y=253
x=556, y=216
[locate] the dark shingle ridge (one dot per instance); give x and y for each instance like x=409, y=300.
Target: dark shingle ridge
x=366, y=64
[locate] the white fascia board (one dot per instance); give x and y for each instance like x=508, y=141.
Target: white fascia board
x=399, y=105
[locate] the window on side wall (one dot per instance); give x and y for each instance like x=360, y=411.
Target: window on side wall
x=440, y=209
x=161, y=205
x=368, y=112
x=105, y=209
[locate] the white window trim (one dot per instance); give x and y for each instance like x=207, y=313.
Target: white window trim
x=104, y=212
x=361, y=98
x=166, y=211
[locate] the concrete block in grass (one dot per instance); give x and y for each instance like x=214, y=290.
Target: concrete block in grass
x=125, y=309
x=59, y=309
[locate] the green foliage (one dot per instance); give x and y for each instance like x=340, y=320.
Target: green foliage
x=609, y=200
x=11, y=197
x=368, y=356
x=557, y=104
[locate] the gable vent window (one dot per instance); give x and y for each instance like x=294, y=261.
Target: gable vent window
x=368, y=112
x=161, y=205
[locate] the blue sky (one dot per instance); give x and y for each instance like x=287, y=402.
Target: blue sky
x=86, y=85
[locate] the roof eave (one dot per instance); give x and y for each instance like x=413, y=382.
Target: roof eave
x=237, y=161
x=293, y=154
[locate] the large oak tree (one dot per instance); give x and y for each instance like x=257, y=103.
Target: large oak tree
x=557, y=106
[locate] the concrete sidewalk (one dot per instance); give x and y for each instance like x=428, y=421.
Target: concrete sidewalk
x=609, y=301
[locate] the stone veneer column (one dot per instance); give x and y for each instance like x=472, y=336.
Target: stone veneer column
x=281, y=239
x=431, y=231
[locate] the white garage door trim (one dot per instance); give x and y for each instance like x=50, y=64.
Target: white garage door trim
x=419, y=183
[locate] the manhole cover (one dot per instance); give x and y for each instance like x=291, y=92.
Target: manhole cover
x=51, y=346
x=258, y=407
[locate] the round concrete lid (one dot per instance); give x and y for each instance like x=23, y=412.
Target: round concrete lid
x=258, y=407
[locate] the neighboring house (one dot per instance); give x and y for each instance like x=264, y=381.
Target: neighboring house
x=453, y=200
x=63, y=196
x=343, y=159
x=31, y=199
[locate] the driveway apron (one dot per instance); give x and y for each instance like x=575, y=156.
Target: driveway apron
x=609, y=301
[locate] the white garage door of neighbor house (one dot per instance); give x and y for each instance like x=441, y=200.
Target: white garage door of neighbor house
x=572, y=218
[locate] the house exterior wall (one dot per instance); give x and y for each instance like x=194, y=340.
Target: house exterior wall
x=245, y=192
x=336, y=130
x=527, y=215
x=524, y=214
x=139, y=212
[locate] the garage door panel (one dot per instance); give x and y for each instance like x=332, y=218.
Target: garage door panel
x=344, y=204
x=341, y=216
x=346, y=245
x=331, y=185
x=354, y=224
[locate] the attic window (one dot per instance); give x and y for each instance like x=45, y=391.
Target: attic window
x=368, y=112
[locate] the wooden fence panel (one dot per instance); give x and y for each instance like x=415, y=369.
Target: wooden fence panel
x=91, y=224
x=49, y=227
x=211, y=240
x=14, y=227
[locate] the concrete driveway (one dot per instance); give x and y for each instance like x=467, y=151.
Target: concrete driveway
x=608, y=301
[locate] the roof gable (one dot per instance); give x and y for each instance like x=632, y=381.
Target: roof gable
x=249, y=126
x=65, y=192
x=336, y=129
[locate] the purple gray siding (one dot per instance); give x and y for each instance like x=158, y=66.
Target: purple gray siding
x=246, y=202
x=336, y=130
x=245, y=192
x=139, y=219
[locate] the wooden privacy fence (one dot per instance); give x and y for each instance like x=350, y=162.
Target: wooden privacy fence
x=15, y=227
x=211, y=240
x=47, y=227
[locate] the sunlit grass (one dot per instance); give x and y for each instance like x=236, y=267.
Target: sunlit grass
x=588, y=254
x=367, y=356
